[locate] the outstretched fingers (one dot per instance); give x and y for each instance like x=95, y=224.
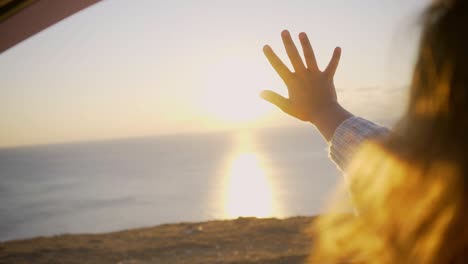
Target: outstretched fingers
x=292, y=52
x=333, y=65
x=277, y=64
x=276, y=99
x=309, y=54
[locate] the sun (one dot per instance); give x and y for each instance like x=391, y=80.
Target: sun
x=231, y=91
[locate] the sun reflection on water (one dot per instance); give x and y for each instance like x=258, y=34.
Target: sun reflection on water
x=248, y=189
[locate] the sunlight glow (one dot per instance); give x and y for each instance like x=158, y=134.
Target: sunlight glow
x=249, y=192
x=248, y=189
x=231, y=91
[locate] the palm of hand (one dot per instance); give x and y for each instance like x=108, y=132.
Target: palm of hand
x=310, y=90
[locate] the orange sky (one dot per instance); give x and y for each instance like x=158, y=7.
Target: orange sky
x=119, y=70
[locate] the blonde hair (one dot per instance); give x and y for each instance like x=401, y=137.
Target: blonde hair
x=407, y=213
x=410, y=189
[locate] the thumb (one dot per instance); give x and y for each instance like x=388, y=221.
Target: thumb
x=276, y=99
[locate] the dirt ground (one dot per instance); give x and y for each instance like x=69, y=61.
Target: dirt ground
x=244, y=240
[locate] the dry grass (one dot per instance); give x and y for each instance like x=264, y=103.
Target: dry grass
x=244, y=240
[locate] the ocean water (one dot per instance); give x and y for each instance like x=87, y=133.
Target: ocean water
x=106, y=186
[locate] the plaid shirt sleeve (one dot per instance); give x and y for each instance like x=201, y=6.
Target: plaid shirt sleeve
x=349, y=135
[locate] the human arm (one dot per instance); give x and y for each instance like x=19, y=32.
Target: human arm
x=349, y=135
x=312, y=98
x=312, y=95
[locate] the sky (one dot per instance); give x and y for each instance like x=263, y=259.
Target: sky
x=121, y=69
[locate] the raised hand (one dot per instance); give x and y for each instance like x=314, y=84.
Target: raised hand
x=311, y=91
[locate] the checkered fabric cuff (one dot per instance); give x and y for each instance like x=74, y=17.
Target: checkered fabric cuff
x=349, y=135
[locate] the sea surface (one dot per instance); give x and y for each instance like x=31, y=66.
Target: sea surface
x=94, y=187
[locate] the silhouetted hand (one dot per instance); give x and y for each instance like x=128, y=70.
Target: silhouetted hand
x=311, y=91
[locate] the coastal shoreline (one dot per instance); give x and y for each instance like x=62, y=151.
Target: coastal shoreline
x=242, y=240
